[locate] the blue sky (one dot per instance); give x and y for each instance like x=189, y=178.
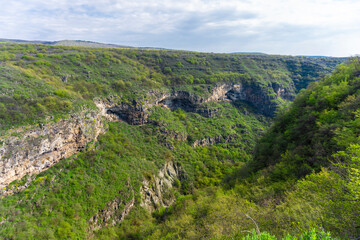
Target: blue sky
x=291, y=27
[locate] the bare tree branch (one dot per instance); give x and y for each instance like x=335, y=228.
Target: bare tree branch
x=257, y=227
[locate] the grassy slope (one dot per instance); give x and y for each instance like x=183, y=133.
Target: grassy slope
x=323, y=119
x=32, y=85
x=86, y=182
x=32, y=88
x=305, y=174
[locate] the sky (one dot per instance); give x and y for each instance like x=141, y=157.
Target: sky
x=289, y=27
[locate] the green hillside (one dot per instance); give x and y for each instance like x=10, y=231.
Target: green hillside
x=305, y=173
x=322, y=120
x=228, y=181
x=41, y=80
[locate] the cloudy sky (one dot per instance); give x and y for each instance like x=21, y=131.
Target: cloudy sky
x=292, y=27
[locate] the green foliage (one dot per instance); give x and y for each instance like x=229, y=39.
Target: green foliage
x=63, y=93
x=5, y=56
x=133, y=152
x=330, y=198
x=36, y=71
x=63, y=199
x=205, y=214
x=218, y=189
x=314, y=234
x=320, y=130
x=167, y=70
x=348, y=164
x=321, y=121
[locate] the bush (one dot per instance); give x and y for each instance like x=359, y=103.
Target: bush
x=314, y=234
x=63, y=93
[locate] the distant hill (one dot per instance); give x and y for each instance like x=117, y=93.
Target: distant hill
x=252, y=53
x=24, y=41
x=315, y=56
x=77, y=43
x=81, y=43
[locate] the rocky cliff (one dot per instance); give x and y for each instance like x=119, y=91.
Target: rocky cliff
x=34, y=149
x=136, y=112
x=214, y=140
x=156, y=190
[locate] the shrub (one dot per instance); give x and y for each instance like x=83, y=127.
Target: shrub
x=62, y=93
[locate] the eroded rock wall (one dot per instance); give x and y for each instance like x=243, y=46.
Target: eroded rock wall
x=33, y=150
x=30, y=151
x=156, y=192
x=263, y=98
x=214, y=140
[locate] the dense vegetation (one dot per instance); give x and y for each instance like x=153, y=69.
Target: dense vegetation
x=305, y=173
x=74, y=189
x=304, y=178
x=323, y=119
x=39, y=80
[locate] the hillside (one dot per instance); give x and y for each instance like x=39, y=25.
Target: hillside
x=73, y=43
x=304, y=174
x=321, y=121
x=70, y=76
x=159, y=141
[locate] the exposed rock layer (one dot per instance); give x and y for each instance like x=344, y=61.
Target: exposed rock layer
x=137, y=111
x=156, y=192
x=35, y=150
x=41, y=147
x=214, y=140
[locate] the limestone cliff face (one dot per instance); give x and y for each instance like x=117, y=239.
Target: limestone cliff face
x=33, y=150
x=262, y=97
x=214, y=140
x=156, y=192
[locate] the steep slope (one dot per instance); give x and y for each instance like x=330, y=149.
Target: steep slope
x=131, y=157
x=40, y=80
x=41, y=84
x=74, y=43
x=175, y=122
x=322, y=120
x=305, y=175
x=317, y=142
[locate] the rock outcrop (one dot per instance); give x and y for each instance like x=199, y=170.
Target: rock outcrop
x=136, y=112
x=33, y=150
x=259, y=96
x=115, y=211
x=156, y=191
x=38, y=148
x=214, y=140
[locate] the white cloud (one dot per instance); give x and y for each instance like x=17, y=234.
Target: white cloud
x=327, y=27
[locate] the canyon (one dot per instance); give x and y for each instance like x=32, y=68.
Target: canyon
x=31, y=151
